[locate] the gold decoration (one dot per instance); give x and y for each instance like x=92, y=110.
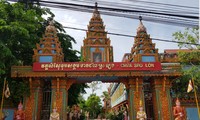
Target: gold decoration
x=54, y=105
x=164, y=83
x=136, y=84
x=140, y=103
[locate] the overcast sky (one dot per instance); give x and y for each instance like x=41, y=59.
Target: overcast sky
x=121, y=25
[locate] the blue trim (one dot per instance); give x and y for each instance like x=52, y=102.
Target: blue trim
x=46, y=59
x=192, y=114
x=148, y=58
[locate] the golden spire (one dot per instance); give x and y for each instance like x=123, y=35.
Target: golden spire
x=96, y=12
x=51, y=26
x=141, y=27
x=96, y=5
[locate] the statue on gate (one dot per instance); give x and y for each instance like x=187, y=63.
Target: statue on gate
x=178, y=111
x=87, y=115
x=54, y=115
x=141, y=114
x=76, y=113
x=19, y=114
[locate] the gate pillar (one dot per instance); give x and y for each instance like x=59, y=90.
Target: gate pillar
x=161, y=98
x=34, y=101
x=135, y=94
x=60, y=96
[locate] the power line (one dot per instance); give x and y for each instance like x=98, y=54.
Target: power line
x=159, y=8
x=165, y=4
x=130, y=36
x=116, y=34
x=162, y=20
x=121, y=10
x=158, y=17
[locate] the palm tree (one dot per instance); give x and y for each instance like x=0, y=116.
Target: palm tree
x=106, y=99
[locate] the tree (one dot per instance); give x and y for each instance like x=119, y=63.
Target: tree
x=93, y=105
x=20, y=29
x=105, y=95
x=81, y=102
x=74, y=93
x=95, y=85
x=190, y=60
x=190, y=35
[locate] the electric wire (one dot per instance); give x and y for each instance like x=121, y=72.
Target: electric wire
x=180, y=23
x=165, y=4
x=125, y=35
x=111, y=33
x=144, y=7
x=118, y=9
x=146, y=16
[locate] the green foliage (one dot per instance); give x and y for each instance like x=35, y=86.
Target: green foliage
x=95, y=85
x=105, y=95
x=190, y=57
x=115, y=116
x=190, y=35
x=74, y=93
x=93, y=105
x=190, y=60
x=194, y=72
x=20, y=29
x=82, y=103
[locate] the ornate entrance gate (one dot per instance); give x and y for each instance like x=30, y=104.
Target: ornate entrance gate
x=97, y=54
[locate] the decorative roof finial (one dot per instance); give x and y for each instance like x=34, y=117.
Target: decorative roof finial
x=141, y=27
x=140, y=18
x=51, y=26
x=96, y=5
x=51, y=23
x=96, y=12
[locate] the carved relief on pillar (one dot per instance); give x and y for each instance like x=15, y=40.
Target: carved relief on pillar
x=57, y=94
x=138, y=90
x=60, y=89
x=161, y=98
x=136, y=94
x=29, y=105
x=32, y=111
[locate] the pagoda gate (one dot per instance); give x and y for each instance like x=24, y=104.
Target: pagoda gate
x=50, y=77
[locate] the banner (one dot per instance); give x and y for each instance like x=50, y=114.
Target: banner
x=97, y=66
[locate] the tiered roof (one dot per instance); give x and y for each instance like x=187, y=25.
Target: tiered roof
x=49, y=49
